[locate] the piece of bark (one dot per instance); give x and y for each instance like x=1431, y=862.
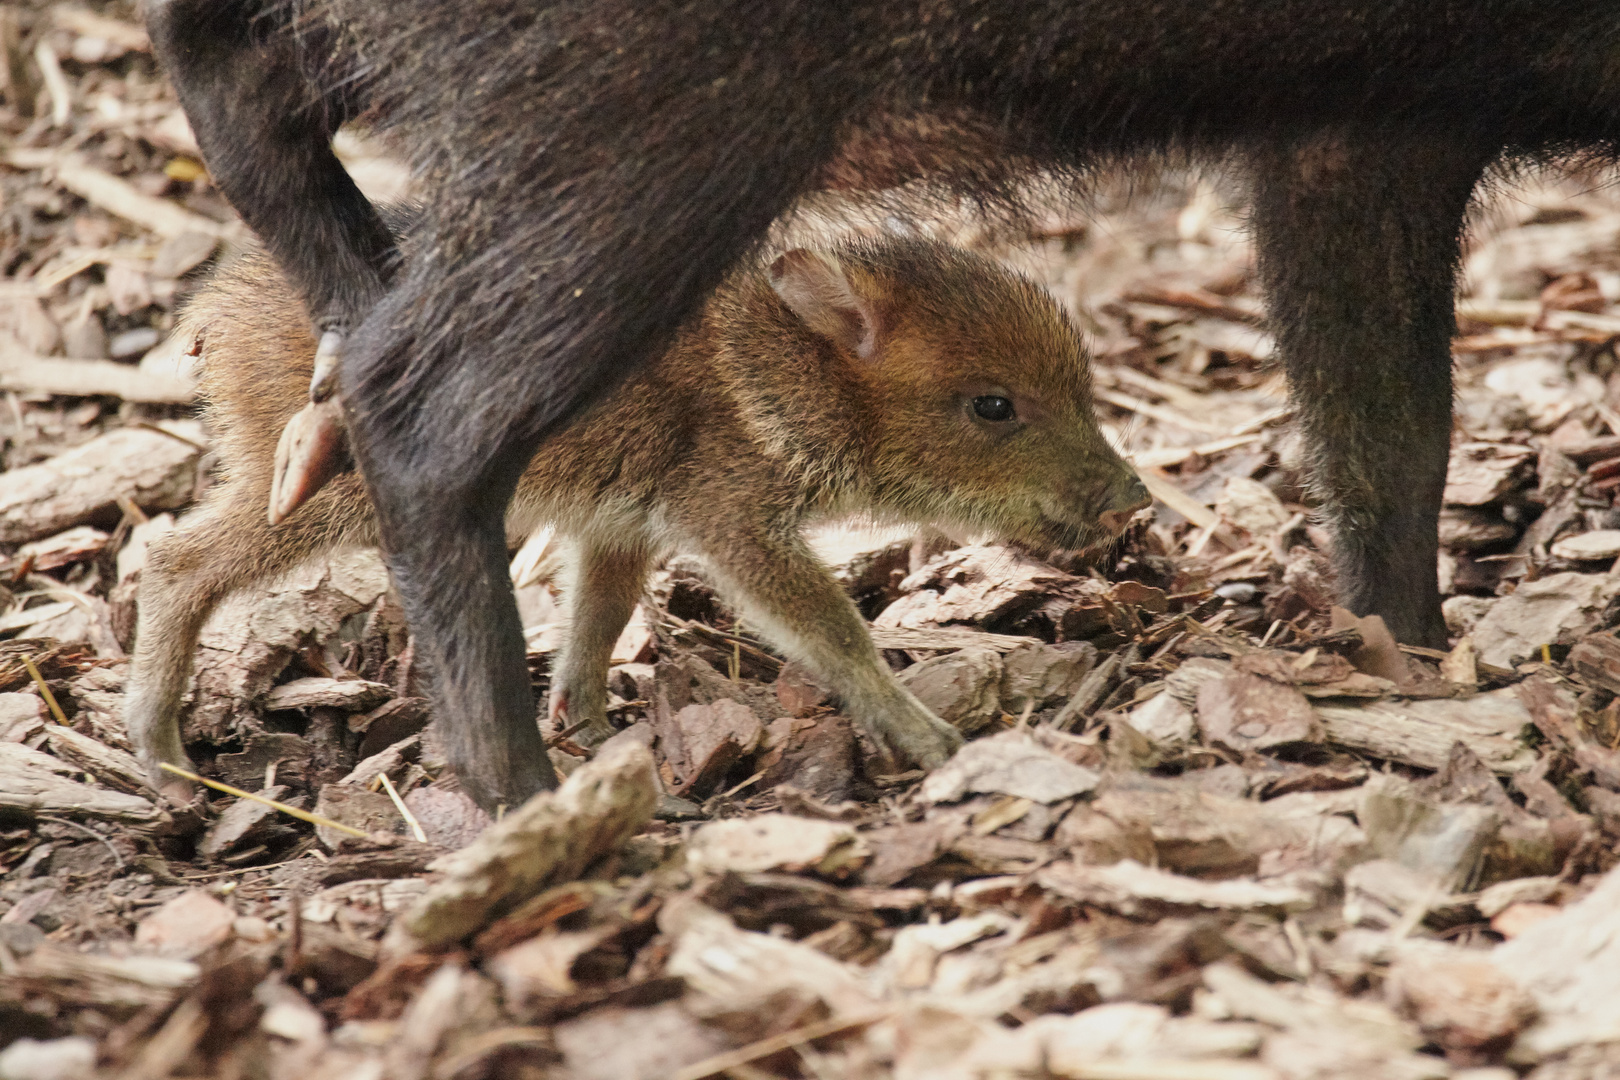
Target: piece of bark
x=27, y=373
x=1136, y=891
x=1101, y=836
x=1163, y=720
x=454, y=1005
x=67, y=976
x=983, y=585
x=154, y=470
x=1446, y=841
x=816, y=756
x=1483, y=472
x=945, y=639
x=1595, y=660
x=666, y=1038
x=292, y=755
x=388, y=760
x=1463, y=1003
x=238, y=822
x=705, y=728
x=1036, y=676
x=186, y=927
x=1251, y=506
x=1379, y=655
x=389, y=723
x=368, y=811
x=1247, y=712
x=1558, y=609
x=898, y=850
x=252, y=636
x=1010, y=763
x=1570, y=964
x=961, y=688
x=1381, y=894
x=113, y=767
x=449, y=818
x=1461, y=665
x=118, y=196
x=727, y=969
x=36, y=783
x=1205, y=834
x=551, y=838
x=1599, y=545
x=776, y=842
x=1422, y=733
x=22, y=716
x=350, y=695
x=70, y=546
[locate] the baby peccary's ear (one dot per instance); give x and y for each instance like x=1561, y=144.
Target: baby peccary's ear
x=815, y=287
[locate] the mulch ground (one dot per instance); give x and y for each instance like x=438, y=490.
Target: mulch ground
x=1207, y=827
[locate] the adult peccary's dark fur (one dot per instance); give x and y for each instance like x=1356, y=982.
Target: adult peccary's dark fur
x=591, y=169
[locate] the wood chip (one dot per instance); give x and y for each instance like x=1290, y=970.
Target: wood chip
x=28, y=373
x=153, y=469
x=776, y=842
x=549, y=839
x=118, y=196
x=1138, y=891
x=1422, y=733
x=36, y=783
x=1011, y=763
x=350, y=695
x=1248, y=712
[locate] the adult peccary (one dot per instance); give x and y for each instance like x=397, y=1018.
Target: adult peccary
x=592, y=168
x=901, y=378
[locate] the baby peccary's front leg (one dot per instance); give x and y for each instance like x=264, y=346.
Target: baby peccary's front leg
x=782, y=588
x=605, y=580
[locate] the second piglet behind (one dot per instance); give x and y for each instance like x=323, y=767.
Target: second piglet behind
x=904, y=379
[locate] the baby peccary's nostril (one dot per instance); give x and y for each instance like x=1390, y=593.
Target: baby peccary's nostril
x=1132, y=499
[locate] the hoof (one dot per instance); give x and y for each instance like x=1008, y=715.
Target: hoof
x=311, y=451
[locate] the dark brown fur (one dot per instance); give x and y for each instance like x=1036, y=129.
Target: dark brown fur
x=838, y=382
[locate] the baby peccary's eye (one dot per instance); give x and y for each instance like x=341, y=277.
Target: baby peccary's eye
x=993, y=407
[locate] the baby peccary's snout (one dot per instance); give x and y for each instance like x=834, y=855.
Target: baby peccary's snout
x=1133, y=497
x=900, y=377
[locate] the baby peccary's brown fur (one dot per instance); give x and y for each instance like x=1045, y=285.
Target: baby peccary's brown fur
x=900, y=378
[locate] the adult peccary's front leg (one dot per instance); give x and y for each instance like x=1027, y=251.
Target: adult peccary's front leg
x=265, y=131
x=1358, y=241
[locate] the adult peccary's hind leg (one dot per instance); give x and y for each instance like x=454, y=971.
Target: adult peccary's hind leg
x=1358, y=237
x=441, y=503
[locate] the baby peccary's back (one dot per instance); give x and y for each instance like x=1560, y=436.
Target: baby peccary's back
x=899, y=377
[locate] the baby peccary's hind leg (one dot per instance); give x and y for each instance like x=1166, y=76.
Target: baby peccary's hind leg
x=780, y=586
x=217, y=550
x=605, y=581
x=1358, y=247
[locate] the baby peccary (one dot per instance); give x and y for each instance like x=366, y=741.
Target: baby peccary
x=901, y=378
